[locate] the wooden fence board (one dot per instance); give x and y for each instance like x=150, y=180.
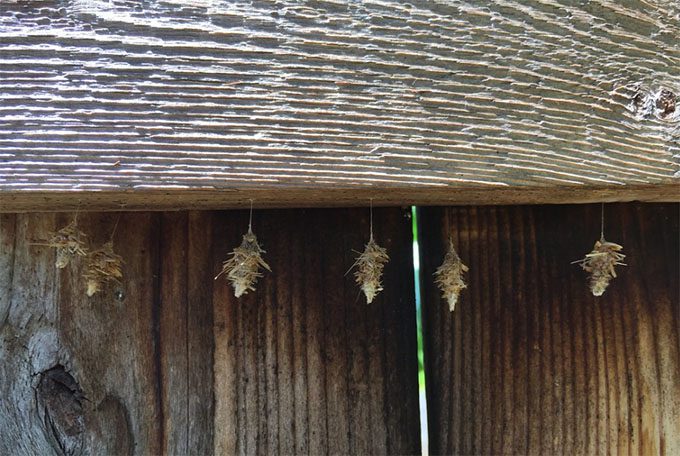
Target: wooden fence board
x=112, y=346
x=29, y=339
x=205, y=102
x=200, y=343
x=530, y=362
x=170, y=362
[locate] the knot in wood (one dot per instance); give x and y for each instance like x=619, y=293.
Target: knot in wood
x=60, y=406
x=666, y=102
x=661, y=103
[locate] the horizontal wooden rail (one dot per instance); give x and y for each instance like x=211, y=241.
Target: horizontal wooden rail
x=319, y=197
x=316, y=103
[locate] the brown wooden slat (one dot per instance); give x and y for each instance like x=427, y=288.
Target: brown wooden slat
x=185, y=340
x=200, y=344
x=530, y=362
x=172, y=342
x=179, y=199
x=114, y=343
x=518, y=99
x=304, y=365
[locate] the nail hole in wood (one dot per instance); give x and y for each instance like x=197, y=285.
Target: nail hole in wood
x=119, y=295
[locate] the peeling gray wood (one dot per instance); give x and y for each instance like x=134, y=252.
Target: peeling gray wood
x=29, y=341
x=514, y=98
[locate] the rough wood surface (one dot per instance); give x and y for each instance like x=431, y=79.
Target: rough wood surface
x=530, y=362
x=170, y=363
x=507, y=96
x=304, y=365
x=321, y=197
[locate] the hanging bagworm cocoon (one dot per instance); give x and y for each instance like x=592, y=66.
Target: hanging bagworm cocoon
x=104, y=265
x=370, y=265
x=243, y=268
x=69, y=243
x=600, y=264
x=449, y=277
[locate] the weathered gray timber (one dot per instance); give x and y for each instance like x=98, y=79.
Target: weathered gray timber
x=210, y=102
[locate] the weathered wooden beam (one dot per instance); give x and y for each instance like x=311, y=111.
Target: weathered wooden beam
x=530, y=362
x=131, y=200
x=204, y=101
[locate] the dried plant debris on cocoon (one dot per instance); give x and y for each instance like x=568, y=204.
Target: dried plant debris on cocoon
x=69, y=242
x=104, y=265
x=601, y=263
x=370, y=265
x=449, y=277
x=243, y=268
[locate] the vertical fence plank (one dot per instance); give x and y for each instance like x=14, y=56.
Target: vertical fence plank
x=138, y=350
x=173, y=335
x=28, y=339
x=114, y=341
x=200, y=400
x=184, y=333
x=8, y=224
x=304, y=364
x=534, y=360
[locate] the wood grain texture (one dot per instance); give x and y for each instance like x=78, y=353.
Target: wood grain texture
x=321, y=197
x=29, y=341
x=138, y=351
x=530, y=362
x=304, y=365
x=169, y=362
x=110, y=342
x=506, y=96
